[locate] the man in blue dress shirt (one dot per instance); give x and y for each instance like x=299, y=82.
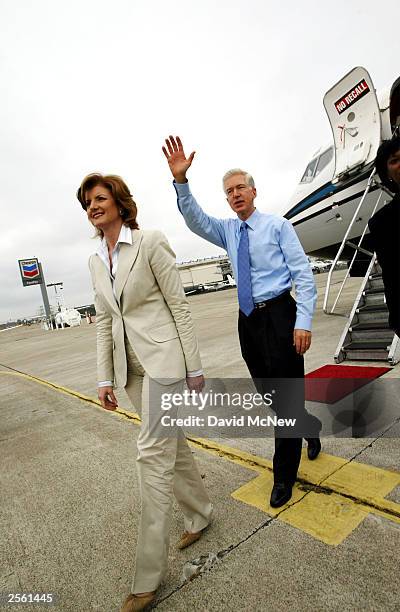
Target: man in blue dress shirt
x=274, y=330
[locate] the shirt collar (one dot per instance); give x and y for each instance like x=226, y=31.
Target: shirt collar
x=125, y=235
x=253, y=219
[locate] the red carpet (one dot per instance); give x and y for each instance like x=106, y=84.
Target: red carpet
x=331, y=383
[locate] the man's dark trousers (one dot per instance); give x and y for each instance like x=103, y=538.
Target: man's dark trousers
x=266, y=340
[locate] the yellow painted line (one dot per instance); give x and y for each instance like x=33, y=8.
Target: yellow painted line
x=247, y=460
x=335, y=495
x=121, y=412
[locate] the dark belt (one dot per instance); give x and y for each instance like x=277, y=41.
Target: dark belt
x=279, y=298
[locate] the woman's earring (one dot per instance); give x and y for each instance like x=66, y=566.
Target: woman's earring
x=121, y=212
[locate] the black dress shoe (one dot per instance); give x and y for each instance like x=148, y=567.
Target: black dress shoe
x=281, y=493
x=314, y=447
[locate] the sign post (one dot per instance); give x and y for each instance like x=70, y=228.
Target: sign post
x=32, y=274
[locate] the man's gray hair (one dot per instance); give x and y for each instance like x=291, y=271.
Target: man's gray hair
x=248, y=179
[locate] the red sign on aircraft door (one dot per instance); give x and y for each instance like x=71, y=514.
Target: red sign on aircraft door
x=349, y=98
x=355, y=119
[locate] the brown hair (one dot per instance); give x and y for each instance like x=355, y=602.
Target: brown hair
x=119, y=191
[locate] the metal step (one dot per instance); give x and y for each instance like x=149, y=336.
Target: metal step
x=366, y=355
x=373, y=316
x=374, y=290
x=380, y=307
x=374, y=299
x=375, y=333
x=370, y=325
x=366, y=344
x=376, y=350
x=376, y=282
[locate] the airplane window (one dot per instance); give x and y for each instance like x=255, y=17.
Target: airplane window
x=324, y=160
x=309, y=173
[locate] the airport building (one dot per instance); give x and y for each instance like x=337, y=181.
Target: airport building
x=211, y=270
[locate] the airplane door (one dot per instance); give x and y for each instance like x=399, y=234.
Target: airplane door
x=355, y=119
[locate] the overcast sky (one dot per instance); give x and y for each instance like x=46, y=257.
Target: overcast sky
x=97, y=85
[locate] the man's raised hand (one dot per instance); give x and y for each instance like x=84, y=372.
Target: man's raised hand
x=176, y=158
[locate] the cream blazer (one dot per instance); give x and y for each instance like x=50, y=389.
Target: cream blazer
x=150, y=306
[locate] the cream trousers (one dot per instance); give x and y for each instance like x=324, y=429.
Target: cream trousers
x=165, y=468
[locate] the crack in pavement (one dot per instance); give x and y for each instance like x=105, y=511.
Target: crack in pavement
x=229, y=549
x=220, y=555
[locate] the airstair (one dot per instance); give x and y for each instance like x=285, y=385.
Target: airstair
x=357, y=133
x=367, y=335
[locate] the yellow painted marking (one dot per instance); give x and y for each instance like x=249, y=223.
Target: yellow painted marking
x=332, y=498
x=367, y=482
x=132, y=416
x=345, y=493
x=329, y=518
x=252, y=462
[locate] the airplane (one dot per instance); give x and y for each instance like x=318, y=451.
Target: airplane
x=338, y=174
x=338, y=193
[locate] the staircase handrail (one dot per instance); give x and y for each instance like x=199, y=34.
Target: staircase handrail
x=344, y=241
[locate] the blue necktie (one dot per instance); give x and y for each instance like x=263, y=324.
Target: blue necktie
x=246, y=303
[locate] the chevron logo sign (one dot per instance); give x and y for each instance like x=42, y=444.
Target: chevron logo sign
x=30, y=271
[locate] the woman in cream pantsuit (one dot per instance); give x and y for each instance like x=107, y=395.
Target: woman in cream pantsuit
x=145, y=343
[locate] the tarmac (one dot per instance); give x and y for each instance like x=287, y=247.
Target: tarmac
x=69, y=507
